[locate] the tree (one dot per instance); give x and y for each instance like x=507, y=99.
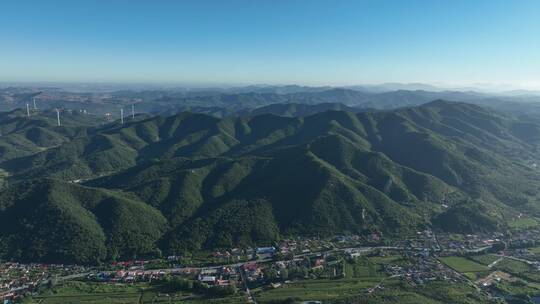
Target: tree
x=284, y=273
x=271, y=274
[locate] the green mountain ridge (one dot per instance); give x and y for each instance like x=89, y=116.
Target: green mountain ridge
x=50, y=220
x=21, y=135
x=211, y=182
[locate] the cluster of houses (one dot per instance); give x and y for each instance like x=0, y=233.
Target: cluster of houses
x=313, y=256
x=253, y=272
x=304, y=245
x=18, y=279
x=234, y=255
x=222, y=276
x=126, y=276
x=425, y=269
x=523, y=238
x=468, y=243
x=213, y=276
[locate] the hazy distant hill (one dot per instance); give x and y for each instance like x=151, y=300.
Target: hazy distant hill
x=244, y=180
x=222, y=102
x=242, y=101
x=298, y=109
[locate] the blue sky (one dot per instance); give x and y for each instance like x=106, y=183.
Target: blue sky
x=310, y=42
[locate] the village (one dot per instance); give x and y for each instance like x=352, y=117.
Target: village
x=423, y=258
x=18, y=279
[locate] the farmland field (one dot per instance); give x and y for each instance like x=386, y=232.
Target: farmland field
x=535, y=250
x=96, y=293
x=523, y=223
x=392, y=293
x=391, y=259
x=462, y=264
x=484, y=259
x=513, y=266
x=90, y=298
x=319, y=289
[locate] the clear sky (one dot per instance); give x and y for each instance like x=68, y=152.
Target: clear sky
x=310, y=42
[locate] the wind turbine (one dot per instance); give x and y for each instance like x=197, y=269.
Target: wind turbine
x=58, y=116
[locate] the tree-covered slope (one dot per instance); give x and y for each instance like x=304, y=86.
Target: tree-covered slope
x=463, y=145
x=205, y=182
x=21, y=135
x=50, y=220
x=293, y=192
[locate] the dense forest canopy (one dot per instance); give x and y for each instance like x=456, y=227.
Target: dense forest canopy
x=92, y=190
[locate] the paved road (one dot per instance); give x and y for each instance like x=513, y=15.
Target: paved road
x=251, y=298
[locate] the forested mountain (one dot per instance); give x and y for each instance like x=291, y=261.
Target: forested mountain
x=21, y=135
x=192, y=181
x=65, y=223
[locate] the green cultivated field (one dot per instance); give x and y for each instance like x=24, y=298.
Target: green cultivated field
x=535, y=250
x=130, y=298
x=80, y=292
x=330, y=291
x=390, y=259
x=320, y=289
x=523, y=223
x=366, y=267
x=520, y=288
x=98, y=293
x=484, y=259
x=462, y=264
x=513, y=266
x=360, y=275
x=393, y=292
x=121, y=297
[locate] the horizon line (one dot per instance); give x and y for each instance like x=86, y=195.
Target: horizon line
x=440, y=86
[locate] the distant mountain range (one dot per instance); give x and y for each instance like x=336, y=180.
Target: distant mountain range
x=91, y=190
x=241, y=100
